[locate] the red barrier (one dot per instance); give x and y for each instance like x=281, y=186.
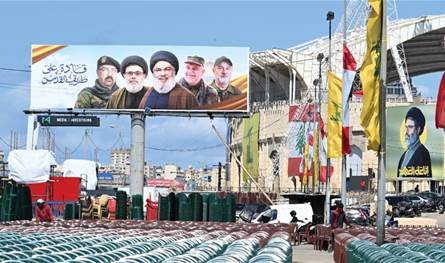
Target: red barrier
x=58, y=189
x=152, y=210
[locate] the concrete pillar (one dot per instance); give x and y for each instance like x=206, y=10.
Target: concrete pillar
x=137, y=154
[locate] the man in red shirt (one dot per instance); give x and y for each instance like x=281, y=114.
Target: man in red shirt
x=43, y=212
x=338, y=217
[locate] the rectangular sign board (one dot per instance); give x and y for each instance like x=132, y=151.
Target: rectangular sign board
x=64, y=120
x=421, y=161
x=140, y=78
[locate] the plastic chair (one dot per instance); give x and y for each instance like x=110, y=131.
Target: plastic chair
x=293, y=233
x=87, y=208
x=304, y=234
x=100, y=208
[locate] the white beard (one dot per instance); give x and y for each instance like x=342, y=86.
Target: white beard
x=166, y=87
x=133, y=88
x=224, y=81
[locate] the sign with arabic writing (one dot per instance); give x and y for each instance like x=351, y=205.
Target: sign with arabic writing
x=408, y=158
x=183, y=79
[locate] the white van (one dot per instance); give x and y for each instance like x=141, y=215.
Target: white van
x=281, y=213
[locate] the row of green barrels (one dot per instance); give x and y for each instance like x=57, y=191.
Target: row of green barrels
x=364, y=251
x=197, y=207
x=15, y=202
x=213, y=247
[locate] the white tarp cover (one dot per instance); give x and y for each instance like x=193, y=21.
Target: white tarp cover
x=84, y=169
x=30, y=166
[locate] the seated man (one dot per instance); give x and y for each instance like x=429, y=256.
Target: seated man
x=295, y=219
x=43, y=212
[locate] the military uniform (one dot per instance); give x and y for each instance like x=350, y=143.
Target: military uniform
x=231, y=91
x=203, y=93
x=97, y=96
x=94, y=97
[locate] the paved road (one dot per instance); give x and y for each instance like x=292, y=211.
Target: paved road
x=440, y=218
x=307, y=254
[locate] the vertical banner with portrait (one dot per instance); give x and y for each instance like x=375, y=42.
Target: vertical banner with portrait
x=409, y=158
x=136, y=78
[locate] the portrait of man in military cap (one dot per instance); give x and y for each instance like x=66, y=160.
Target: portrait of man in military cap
x=98, y=95
x=415, y=161
x=222, y=71
x=192, y=80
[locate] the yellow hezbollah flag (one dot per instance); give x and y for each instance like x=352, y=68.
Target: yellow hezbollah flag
x=250, y=146
x=334, y=116
x=370, y=76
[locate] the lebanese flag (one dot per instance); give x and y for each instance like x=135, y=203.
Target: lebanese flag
x=440, y=106
x=301, y=116
x=296, y=139
x=349, y=71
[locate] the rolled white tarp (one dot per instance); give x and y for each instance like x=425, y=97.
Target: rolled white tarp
x=30, y=166
x=84, y=169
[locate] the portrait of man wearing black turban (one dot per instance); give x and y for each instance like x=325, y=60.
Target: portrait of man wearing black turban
x=415, y=161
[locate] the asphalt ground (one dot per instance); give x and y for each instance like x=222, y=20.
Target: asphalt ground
x=305, y=253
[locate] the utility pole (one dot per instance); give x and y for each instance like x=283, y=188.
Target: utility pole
x=344, y=157
x=382, y=153
x=10, y=141
x=219, y=176
x=66, y=153
x=327, y=203
x=320, y=58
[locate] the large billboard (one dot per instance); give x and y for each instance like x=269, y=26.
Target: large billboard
x=415, y=146
x=140, y=78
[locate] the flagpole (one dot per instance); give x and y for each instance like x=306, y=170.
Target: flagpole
x=343, y=159
x=327, y=202
x=382, y=118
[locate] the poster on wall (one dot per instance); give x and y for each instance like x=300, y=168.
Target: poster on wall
x=414, y=145
x=136, y=78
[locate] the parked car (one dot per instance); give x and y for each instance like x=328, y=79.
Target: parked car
x=435, y=198
x=428, y=204
x=281, y=214
x=401, y=206
x=357, y=215
x=251, y=211
x=432, y=195
x=417, y=203
x=429, y=200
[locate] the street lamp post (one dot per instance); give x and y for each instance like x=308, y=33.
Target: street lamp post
x=317, y=82
x=327, y=203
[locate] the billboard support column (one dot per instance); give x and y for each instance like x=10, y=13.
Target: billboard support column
x=137, y=154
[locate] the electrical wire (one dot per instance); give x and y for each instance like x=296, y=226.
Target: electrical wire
x=185, y=149
x=14, y=69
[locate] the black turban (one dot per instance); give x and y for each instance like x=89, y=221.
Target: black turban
x=418, y=117
x=164, y=56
